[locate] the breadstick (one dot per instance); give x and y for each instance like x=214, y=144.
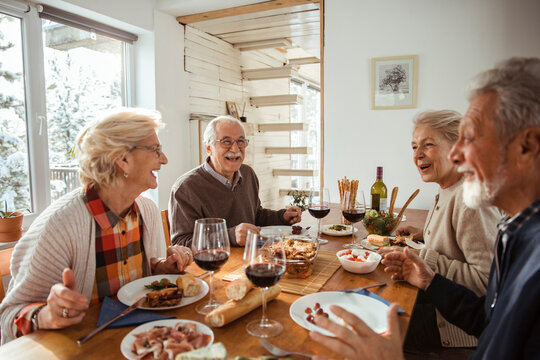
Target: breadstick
x=232, y=310
x=237, y=289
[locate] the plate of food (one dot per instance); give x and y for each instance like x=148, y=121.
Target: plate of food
x=371, y=311
x=375, y=242
x=171, y=336
x=337, y=229
x=163, y=292
x=283, y=230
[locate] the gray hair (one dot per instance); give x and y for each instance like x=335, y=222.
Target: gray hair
x=110, y=138
x=210, y=135
x=516, y=81
x=444, y=121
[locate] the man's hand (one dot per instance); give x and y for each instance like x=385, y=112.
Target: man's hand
x=178, y=258
x=417, y=233
x=240, y=231
x=407, y=265
x=66, y=306
x=362, y=343
x=292, y=215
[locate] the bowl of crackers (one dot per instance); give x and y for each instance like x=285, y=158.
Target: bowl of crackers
x=301, y=252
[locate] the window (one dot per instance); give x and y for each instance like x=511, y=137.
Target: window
x=309, y=113
x=56, y=75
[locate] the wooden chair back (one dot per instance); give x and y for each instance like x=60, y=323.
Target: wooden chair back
x=166, y=227
x=5, y=261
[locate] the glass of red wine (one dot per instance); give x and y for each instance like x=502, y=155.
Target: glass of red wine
x=211, y=250
x=319, y=207
x=353, y=208
x=264, y=264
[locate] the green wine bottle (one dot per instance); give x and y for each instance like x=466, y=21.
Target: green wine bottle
x=379, y=193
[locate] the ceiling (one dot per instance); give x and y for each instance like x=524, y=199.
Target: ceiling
x=242, y=21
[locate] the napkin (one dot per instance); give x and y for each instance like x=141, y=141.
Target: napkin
x=377, y=297
x=110, y=308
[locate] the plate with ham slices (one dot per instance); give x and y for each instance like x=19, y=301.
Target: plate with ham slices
x=164, y=339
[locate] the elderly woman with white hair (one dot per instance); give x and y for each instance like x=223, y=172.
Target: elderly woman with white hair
x=92, y=241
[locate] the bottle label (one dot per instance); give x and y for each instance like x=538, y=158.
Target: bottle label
x=382, y=205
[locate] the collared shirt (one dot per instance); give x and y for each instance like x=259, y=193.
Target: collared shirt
x=119, y=247
x=237, y=178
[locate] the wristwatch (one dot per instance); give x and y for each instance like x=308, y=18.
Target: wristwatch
x=34, y=319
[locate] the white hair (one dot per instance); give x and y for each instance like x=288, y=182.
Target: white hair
x=210, y=135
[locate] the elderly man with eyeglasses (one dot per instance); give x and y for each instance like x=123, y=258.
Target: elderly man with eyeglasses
x=223, y=187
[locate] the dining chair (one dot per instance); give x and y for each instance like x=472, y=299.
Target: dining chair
x=5, y=261
x=166, y=227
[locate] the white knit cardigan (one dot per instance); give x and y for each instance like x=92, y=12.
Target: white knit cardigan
x=63, y=236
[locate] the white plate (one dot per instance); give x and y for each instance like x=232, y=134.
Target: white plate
x=325, y=229
x=279, y=229
x=129, y=339
x=418, y=246
x=371, y=311
x=134, y=290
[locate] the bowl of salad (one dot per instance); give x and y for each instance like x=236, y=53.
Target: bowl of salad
x=380, y=223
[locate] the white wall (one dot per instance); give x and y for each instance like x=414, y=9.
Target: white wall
x=454, y=40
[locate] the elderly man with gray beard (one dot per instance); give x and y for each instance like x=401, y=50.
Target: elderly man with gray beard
x=223, y=187
x=498, y=151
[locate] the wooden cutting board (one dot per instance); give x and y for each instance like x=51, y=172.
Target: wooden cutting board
x=325, y=266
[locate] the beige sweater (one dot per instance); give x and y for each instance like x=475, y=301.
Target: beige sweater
x=63, y=236
x=459, y=246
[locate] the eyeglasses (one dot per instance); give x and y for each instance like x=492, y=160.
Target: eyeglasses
x=228, y=143
x=158, y=149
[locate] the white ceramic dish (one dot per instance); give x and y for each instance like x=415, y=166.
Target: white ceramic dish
x=325, y=229
x=127, y=343
x=418, y=246
x=134, y=290
x=279, y=230
x=359, y=267
x=371, y=311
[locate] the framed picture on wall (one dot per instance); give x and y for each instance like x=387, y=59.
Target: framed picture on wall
x=232, y=109
x=394, y=82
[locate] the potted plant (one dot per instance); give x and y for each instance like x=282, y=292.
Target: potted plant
x=299, y=198
x=10, y=224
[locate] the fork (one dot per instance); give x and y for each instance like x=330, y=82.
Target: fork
x=274, y=350
x=362, y=288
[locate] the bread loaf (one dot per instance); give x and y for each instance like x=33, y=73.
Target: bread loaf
x=237, y=289
x=188, y=285
x=232, y=309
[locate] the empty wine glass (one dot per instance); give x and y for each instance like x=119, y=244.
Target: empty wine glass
x=211, y=250
x=319, y=207
x=353, y=208
x=264, y=263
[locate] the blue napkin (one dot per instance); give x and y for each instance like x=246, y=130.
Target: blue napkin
x=377, y=297
x=110, y=308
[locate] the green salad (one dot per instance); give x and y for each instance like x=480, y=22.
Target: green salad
x=380, y=223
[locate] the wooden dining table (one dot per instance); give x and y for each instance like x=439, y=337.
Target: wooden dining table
x=61, y=344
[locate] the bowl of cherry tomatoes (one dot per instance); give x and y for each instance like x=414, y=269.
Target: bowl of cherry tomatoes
x=358, y=261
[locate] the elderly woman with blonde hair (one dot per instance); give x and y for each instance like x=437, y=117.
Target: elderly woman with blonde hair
x=92, y=241
x=458, y=240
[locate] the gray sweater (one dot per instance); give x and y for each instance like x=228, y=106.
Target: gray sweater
x=63, y=236
x=197, y=194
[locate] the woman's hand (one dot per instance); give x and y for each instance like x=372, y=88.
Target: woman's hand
x=178, y=258
x=416, y=233
x=66, y=306
x=362, y=343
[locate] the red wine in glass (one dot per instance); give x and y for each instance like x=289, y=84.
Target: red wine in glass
x=354, y=215
x=211, y=260
x=265, y=275
x=319, y=212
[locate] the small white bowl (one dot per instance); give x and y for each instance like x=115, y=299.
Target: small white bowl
x=358, y=267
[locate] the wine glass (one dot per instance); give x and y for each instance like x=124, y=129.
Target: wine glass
x=264, y=263
x=211, y=250
x=319, y=207
x=353, y=208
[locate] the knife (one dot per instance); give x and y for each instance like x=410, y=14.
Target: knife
x=362, y=288
x=134, y=306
